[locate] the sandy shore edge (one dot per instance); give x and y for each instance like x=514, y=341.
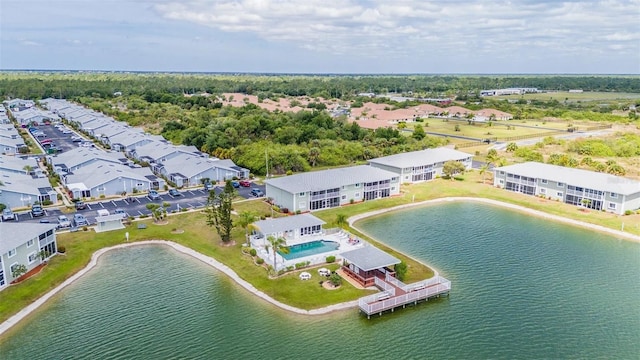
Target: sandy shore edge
x=523, y=209
x=5, y=326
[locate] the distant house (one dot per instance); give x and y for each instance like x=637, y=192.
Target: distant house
x=108, y=179
x=28, y=244
x=189, y=170
x=578, y=187
x=22, y=190
x=491, y=114
x=423, y=165
x=332, y=188
x=75, y=159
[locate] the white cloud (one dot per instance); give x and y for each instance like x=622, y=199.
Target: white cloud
x=375, y=27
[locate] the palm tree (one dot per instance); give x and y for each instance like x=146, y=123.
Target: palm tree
x=28, y=169
x=245, y=221
x=484, y=169
x=341, y=220
x=277, y=244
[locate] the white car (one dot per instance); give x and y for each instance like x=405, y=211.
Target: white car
x=63, y=222
x=66, y=131
x=7, y=215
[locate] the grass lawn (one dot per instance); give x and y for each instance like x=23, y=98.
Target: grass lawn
x=288, y=288
x=583, y=96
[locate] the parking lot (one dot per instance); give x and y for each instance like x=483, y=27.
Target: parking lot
x=61, y=139
x=137, y=205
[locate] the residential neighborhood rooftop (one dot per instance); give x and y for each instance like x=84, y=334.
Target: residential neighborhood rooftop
x=276, y=225
x=13, y=235
x=420, y=158
x=328, y=179
x=369, y=258
x=577, y=177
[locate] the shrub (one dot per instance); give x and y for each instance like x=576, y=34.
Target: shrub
x=285, y=210
x=335, y=279
x=331, y=258
x=259, y=261
x=628, y=212
x=84, y=228
x=102, y=196
x=47, y=202
x=253, y=252
x=62, y=249
x=290, y=268
x=401, y=270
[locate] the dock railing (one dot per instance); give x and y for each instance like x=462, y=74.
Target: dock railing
x=415, y=292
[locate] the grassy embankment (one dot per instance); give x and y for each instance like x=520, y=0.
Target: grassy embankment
x=288, y=289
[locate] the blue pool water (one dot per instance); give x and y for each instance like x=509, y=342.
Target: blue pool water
x=310, y=248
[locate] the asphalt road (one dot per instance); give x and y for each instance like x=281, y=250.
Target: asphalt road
x=137, y=205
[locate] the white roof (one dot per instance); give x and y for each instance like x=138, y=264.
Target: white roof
x=14, y=234
x=283, y=224
x=369, y=257
x=421, y=158
x=576, y=177
x=329, y=179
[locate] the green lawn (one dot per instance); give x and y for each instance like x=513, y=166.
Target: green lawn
x=499, y=129
x=583, y=96
x=287, y=289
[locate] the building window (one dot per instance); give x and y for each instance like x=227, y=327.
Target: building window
x=30, y=243
x=357, y=185
x=11, y=253
x=343, y=197
x=559, y=194
x=560, y=184
x=394, y=179
x=301, y=194
x=139, y=185
x=356, y=195
x=501, y=172
x=614, y=195
x=501, y=182
x=101, y=188
x=543, y=191
x=33, y=257
x=612, y=206
x=544, y=181
x=393, y=188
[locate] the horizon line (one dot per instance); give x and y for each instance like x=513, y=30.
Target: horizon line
x=307, y=73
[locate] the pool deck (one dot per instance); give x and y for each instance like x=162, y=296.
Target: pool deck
x=345, y=240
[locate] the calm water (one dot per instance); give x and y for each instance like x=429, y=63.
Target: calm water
x=522, y=288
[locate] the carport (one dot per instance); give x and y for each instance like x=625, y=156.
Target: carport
x=109, y=222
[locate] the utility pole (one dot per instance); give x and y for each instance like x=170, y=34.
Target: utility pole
x=266, y=161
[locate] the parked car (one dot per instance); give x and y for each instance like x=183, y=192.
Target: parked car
x=36, y=210
x=81, y=205
x=66, y=131
x=80, y=220
x=208, y=186
x=174, y=192
x=235, y=184
x=153, y=195
x=76, y=139
x=7, y=215
x=245, y=183
x=121, y=212
x=257, y=192
x=63, y=222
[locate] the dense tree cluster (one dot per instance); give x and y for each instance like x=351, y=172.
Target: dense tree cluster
x=161, y=87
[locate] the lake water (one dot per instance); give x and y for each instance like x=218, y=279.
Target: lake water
x=522, y=288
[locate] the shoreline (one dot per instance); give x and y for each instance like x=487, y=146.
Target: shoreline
x=537, y=213
x=22, y=314
x=26, y=311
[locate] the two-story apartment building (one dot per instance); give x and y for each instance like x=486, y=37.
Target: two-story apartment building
x=578, y=187
x=331, y=188
x=423, y=165
x=28, y=244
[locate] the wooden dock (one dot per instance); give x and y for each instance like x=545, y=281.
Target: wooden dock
x=395, y=294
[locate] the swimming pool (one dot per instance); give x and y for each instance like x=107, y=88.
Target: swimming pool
x=310, y=248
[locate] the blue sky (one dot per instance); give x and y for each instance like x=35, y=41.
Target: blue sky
x=322, y=36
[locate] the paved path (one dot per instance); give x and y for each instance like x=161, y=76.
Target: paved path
x=183, y=249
